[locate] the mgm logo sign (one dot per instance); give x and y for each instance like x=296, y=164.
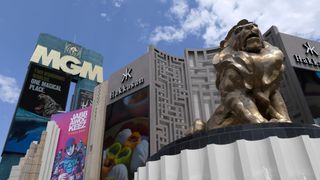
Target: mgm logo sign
x=68, y=63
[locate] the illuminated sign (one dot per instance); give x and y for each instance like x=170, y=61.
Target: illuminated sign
x=310, y=49
x=85, y=99
x=67, y=63
x=126, y=136
x=45, y=92
x=127, y=75
x=310, y=61
x=124, y=88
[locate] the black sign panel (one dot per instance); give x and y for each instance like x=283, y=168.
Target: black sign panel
x=85, y=99
x=45, y=92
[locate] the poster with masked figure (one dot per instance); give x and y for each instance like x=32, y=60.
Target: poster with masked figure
x=72, y=144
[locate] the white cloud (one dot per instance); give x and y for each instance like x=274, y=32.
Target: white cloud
x=166, y=33
x=105, y=16
x=144, y=29
x=142, y=24
x=211, y=19
x=179, y=8
x=9, y=90
x=117, y=3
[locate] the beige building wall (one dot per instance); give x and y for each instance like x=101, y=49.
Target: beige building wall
x=50, y=147
x=97, y=125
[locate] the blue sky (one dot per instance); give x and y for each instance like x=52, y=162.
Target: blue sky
x=121, y=30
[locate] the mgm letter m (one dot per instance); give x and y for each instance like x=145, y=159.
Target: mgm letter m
x=67, y=63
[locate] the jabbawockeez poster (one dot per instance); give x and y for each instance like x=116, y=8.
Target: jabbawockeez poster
x=72, y=144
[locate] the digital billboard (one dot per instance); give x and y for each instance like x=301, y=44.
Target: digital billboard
x=44, y=93
x=310, y=85
x=85, y=99
x=70, y=155
x=126, y=138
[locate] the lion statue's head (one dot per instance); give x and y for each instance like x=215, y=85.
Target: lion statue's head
x=245, y=36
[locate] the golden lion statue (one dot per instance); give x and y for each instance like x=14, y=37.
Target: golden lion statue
x=249, y=71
